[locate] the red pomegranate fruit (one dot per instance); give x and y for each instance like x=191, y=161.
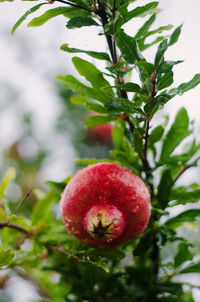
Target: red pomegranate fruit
x=105, y=205
x=101, y=132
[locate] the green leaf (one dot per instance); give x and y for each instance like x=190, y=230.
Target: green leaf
x=72, y=83
x=145, y=67
x=140, y=11
x=118, y=134
x=186, y=86
x=94, y=54
x=131, y=87
x=184, y=197
x=92, y=74
x=183, y=254
x=194, y=268
x=8, y=178
x=167, y=66
x=42, y=209
x=6, y=257
x=49, y=14
x=30, y=11
x=144, y=29
x=129, y=48
x=187, y=216
x=138, y=143
x=90, y=105
x=153, y=32
x=99, y=119
x=154, y=104
x=164, y=188
x=91, y=161
x=160, y=53
x=179, y=131
x=165, y=81
x=156, y=135
x=78, y=22
x=175, y=35
x=110, y=254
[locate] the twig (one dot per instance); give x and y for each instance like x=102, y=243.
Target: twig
x=72, y=4
x=185, y=168
x=14, y=226
x=22, y=201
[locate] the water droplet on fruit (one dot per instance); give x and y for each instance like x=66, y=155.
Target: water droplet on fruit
x=109, y=240
x=135, y=209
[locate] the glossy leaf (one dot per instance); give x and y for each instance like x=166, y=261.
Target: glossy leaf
x=155, y=135
x=164, y=188
x=6, y=257
x=94, y=54
x=160, y=53
x=8, y=178
x=183, y=255
x=81, y=100
x=184, y=197
x=154, y=104
x=165, y=81
x=72, y=83
x=167, y=66
x=129, y=48
x=92, y=74
x=49, y=14
x=194, y=268
x=29, y=12
x=175, y=35
x=140, y=11
x=99, y=119
x=42, y=210
x=179, y=131
x=186, y=86
x=78, y=22
x=187, y=216
x=144, y=29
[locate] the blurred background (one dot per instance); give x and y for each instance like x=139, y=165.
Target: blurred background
x=41, y=132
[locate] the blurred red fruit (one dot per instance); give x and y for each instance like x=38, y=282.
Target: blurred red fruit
x=105, y=205
x=101, y=132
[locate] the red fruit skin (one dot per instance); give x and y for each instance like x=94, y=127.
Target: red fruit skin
x=106, y=186
x=101, y=132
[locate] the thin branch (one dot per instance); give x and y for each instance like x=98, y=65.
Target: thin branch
x=14, y=226
x=71, y=4
x=185, y=168
x=22, y=201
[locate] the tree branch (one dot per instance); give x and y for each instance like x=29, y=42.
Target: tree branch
x=14, y=226
x=71, y=4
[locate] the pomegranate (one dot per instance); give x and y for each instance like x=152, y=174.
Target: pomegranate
x=105, y=205
x=101, y=132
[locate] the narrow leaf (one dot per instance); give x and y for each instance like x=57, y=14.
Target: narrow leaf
x=129, y=48
x=140, y=11
x=186, y=86
x=164, y=188
x=183, y=254
x=167, y=66
x=78, y=22
x=8, y=178
x=5, y=257
x=160, y=52
x=92, y=74
x=175, y=35
x=30, y=11
x=165, y=81
x=153, y=105
x=99, y=119
x=94, y=54
x=90, y=105
x=187, y=216
x=155, y=135
x=179, y=131
x=72, y=83
x=49, y=14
